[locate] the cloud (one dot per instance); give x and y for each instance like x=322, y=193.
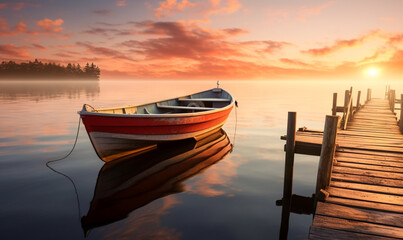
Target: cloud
x=396, y=39
x=170, y=6
x=272, y=46
x=50, y=26
x=121, y=3
x=198, y=11
x=20, y=28
x=105, y=51
x=340, y=44
x=45, y=26
x=102, y=12
x=226, y=6
x=11, y=5
x=39, y=47
x=110, y=32
x=13, y=51
x=295, y=62
x=179, y=40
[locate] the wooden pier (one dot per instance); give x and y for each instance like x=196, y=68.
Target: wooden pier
x=359, y=193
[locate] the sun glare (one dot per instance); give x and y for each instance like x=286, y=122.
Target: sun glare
x=372, y=72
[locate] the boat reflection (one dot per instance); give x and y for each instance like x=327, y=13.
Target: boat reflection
x=130, y=182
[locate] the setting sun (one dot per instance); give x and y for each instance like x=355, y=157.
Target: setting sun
x=373, y=72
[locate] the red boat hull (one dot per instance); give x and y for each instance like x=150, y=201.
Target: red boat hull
x=114, y=130
x=157, y=128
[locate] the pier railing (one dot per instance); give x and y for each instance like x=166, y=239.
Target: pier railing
x=348, y=109
x=390, y=94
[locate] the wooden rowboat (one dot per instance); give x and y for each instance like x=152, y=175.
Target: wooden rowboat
x=191, y=116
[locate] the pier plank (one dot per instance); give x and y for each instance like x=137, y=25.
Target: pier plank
x=363, y=215
x=365, y=196
x=364, y=166
x=370, y=173
x=345, y=177
x=368, y=187
x=357, y=226
x=366, y=205
x=366, y=190
x=322, y=233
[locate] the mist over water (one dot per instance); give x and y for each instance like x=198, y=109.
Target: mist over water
x=232, y=198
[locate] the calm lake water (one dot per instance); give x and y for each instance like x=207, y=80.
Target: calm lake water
x=229, y=198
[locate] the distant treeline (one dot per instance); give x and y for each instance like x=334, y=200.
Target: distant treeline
x=39, y=70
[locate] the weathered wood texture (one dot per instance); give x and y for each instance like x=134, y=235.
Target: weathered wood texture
x=327, y=153
x=289, y=155
x=366, y=188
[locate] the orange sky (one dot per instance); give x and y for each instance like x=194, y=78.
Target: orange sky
x=214, y=39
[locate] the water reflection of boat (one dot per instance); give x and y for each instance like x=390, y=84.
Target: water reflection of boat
x=189, y=116
x=129, y=183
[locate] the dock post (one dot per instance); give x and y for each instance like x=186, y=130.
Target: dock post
x=386, y=92
x=289, y=154
x=368, y=94
x=346, y=99
x=392, y=100
x=401, y=113
x=334, y=108
x=358, y=101
x=326, y=155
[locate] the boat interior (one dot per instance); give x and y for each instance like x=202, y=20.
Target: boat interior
x=203, y=101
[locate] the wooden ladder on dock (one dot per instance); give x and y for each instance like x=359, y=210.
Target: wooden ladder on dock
x=365, y=198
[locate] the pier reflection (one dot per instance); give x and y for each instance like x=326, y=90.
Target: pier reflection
x=131, y=181
x=295, y=204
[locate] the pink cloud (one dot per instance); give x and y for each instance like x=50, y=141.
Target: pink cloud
x=39, y=47
x=14, y=6
x=50, y=26
x=295, y=62
x=13, y=51
x=199, y=9
x=170, y=6
x=179, y=40
x=103, y=51
x=340, y=44
x=121, y=3
x=5, y=31
x=226, y=6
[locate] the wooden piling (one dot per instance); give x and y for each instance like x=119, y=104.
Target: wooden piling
x=289, y=154
x=386, y=92
x=358, y=101
x=334, y=108
x=346, y=99
x=369, y=94
x=392, y=100
x=327, y=154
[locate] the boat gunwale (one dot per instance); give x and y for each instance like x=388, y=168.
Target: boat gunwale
x=84, y=112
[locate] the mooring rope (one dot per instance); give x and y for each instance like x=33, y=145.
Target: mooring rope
x=64, y=175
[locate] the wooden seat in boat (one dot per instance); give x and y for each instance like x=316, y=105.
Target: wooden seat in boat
x=204, y=100
x=184, y=107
